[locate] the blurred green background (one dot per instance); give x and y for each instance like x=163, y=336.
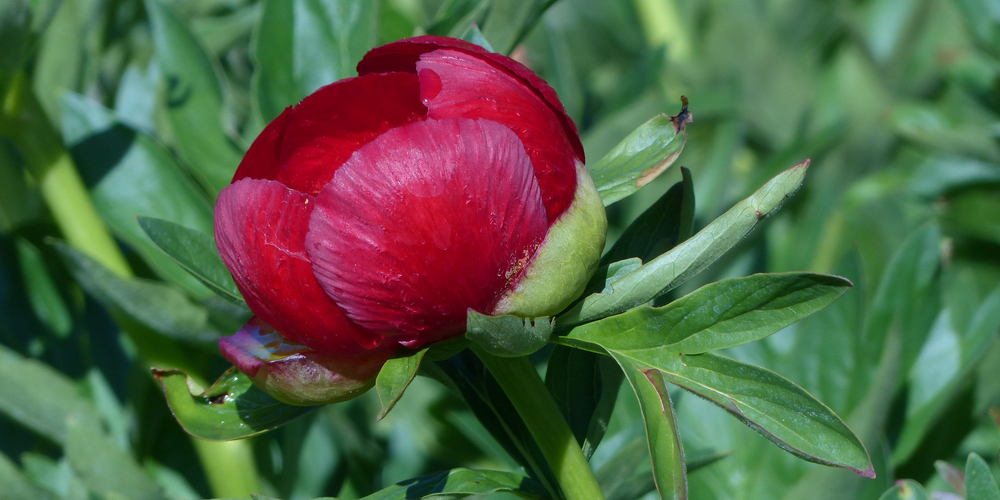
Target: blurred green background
x=152, y=104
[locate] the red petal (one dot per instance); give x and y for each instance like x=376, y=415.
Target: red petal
x=304, y=146
x=403, y=55
x=260, y=229
x=455, y=84
x=425, y=222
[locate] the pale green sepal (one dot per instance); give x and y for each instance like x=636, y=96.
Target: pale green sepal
x=508, y=336
x=565, y=260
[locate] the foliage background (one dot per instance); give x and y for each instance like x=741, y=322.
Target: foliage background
x=895, y=101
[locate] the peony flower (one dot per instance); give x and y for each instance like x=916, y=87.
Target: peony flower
x=381, y=209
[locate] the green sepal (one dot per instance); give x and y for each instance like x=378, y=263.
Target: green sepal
x=508, y=336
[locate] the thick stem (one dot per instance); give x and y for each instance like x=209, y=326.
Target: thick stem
x=521, y=383
x=229, y=466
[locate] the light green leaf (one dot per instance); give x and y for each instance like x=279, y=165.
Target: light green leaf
x=641, y=157
x=43, y=295
x=907, y=489
x=979, y=481
x=69, y=53
x=944, y=173
x=194, y=100
x=723, y=314
x=104, y=467
x=195, y=252
x=661, y=429
x=232, y=408
x=460, y=483
x=508, y=335
x=475, y=36
x=509, y=21
x=153, y=304
x=16, y=486
x=301, y=45
x=669, y=270
x=661, y=227
x=395, y=376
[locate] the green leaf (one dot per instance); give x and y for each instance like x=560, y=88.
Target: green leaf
x=460, y=483
x=15, y=32
x=232, y=408
x=723, y=314
x=669, y=270
x=194, y=100
x=475, y=36
x=454, y=17
x=661, y=227
x=42, y=411
x=509, y=21
x=395, y=376
x=975, y=212
x=195, y=252
x=16, y=486
x=944, y=173
x=951, y=475
x=43, y=295
x=906, y=489
x=979, y=481
x=770, y=404
x=69, y=53
x=301, y=45
x=661, y=428
x=152, y=304
x=19, y=204
x=103, y=466
x=641, y=157
x=56, y=478
x=130, y=174
x=508, y=335
x=585, y=387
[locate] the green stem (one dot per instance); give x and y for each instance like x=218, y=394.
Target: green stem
x=229, y=466
x=521, y=383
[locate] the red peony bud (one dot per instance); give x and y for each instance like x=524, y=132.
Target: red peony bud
x=375, y=213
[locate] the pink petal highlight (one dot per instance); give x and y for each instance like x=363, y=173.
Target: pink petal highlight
x=306, y=144
x=428, y=220
x=260, y=229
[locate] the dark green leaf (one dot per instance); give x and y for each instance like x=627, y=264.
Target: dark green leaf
x=301, y=45
x=15, y=30
x=232, y=408
x=907, y=489
x=509, y=21
x=767, y=402
x=975, y=212
x=979, y=481
x=129, y=174
x=194, y=100
x=43, y=411
x=43, y=295
x=103, y=466
x=641, y=157
x=195, y=252
x=220, y=33
x=942, y=174
x=661, y=227
x=153, y=304
x=16, y=486
x=395, y=376
x=19, y=204
x=508, y=335
x=454, y=17
x=460, y=483
x=661, y=428
x=669, y=270
x=723, y=314
x=585, y=387
x=475, y=36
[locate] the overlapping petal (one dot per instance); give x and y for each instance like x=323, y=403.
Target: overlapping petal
x=261, y=226
x=306, y=144
x=428, y=220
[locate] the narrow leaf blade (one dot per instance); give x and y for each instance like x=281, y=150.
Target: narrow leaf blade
x=394, y=377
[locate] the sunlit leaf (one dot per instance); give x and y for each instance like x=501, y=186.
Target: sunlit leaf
x=979, y=481
x=460, y=483
x=394, y=377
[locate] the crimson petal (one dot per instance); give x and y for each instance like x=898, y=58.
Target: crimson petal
x=260, y=229
x=305, y=145
x=425, y=222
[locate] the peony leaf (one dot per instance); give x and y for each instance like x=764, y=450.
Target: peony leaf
x=508, y=335
x=665, y=448
x=475, y=36
x=103, y=466
x=301, y=45
x=661, y=227
x=194, y=100
x=641, y=157
x=906, y=489
x=395, y=376
x=16, y=485
x=585, y=387
x=722, y=314
x=232, y=408
x=979, y=481
x=153, y=304
x=460, y=483
x=509, y=21
x=687, y=259
x=196, y=253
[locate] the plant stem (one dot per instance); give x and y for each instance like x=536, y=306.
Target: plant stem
x=229, y=466
x=521, y=383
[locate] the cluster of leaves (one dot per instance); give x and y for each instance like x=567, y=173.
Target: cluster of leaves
x=894, y=100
